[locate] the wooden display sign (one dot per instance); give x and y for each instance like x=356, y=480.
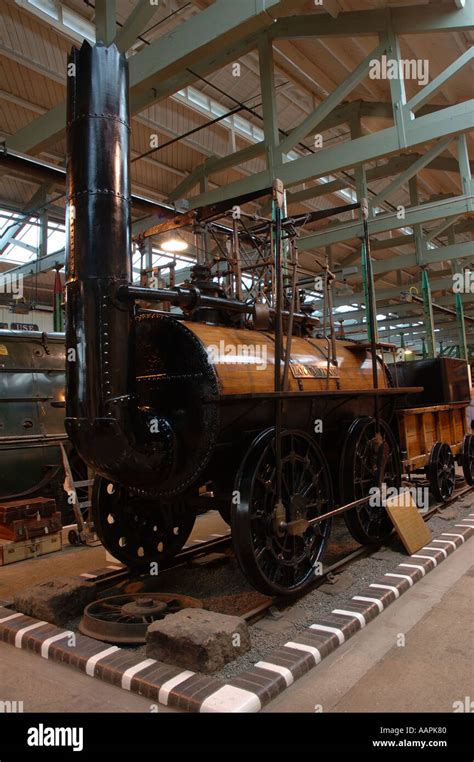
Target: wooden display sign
x=408, y=522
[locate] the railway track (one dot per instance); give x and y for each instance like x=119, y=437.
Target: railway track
x=113, y=578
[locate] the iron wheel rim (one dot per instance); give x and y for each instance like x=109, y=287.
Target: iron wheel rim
x=368, y=523
x=274, y=564
x=467, y=459
x=442, y=471
x=137, y=530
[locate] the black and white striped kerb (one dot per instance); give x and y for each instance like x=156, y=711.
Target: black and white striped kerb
x=253, y=688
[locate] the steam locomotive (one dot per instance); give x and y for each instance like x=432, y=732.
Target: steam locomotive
x=160, y=404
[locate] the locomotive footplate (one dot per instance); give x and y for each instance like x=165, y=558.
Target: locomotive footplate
x=349, y=393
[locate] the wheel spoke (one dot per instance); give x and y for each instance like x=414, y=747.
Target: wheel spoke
x=361, y=470
x=279, y=562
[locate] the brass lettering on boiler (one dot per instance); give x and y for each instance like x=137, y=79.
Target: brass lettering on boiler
x=300, y=370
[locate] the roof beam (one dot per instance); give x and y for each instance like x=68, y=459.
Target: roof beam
x=430, y=256
x=196, y=38
x=439, y=229
x=334, y=99
x=466, y=226
x=161, y=68
x=388, y=169
x=427, y=92
x=41, y=264
x=38, y=199
x=438, y=284
x=452, y=120
x=134, y=25
x=412, y=20
x=217, y=164
x=41, y=132
x=416, y=215
x=105, y=20
x=398, y=310
x=412, y=170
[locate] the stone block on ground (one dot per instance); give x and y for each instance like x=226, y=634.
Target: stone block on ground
x=198, y=640
x=56, y=600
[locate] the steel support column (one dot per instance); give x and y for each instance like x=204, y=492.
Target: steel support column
x=464, y=166
x=428, y=311
x=461, y=327
x=269, y=107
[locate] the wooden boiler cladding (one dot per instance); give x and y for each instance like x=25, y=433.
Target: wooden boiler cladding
x=244, y=362
x=202, y=378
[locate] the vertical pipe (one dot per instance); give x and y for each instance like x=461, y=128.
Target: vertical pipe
x=289, y=333
x=98, y=229
x=58, y=322
x=286, y=248
x=102, y=418
x=371, y=308
x=277, y=206
x=236, y=261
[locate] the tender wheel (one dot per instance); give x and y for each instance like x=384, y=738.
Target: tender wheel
x=138, y=530
x=368, y=461
x=280, y=560
x=441, y=471
x=467, y=459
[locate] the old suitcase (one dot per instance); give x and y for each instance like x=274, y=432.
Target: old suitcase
x=14, y=510
x=25, y=529
x=11, y=552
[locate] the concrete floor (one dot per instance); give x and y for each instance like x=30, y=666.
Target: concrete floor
x=369, y=673
x=45, y=686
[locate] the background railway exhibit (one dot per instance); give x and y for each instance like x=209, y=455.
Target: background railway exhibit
x=236, y=397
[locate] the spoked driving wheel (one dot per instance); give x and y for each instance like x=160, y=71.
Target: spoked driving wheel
x=467, y=459
x=441, y=471
x=275, y=545
x=369, y=460
x=139, y=530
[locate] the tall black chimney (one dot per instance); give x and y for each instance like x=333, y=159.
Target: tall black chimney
x=103, y=420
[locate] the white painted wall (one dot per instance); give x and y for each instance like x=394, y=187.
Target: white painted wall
x=44, y=320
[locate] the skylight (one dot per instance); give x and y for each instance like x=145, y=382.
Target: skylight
x=24, y=246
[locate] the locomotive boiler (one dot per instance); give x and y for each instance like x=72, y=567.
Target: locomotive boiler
x=162, y=404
